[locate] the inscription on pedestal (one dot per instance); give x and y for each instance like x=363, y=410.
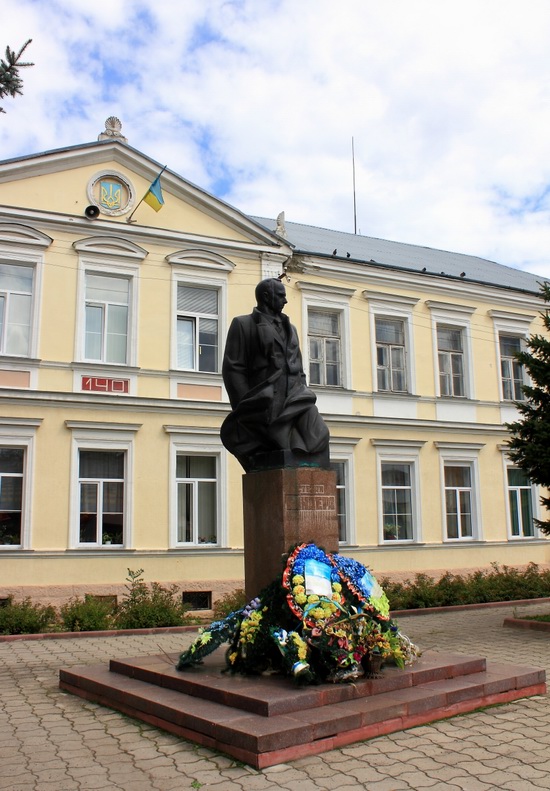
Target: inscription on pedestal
x=310, y=497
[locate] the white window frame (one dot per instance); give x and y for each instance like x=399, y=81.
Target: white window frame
x=186, y=441
x=102, y=436
x=507, y=464
x=342, y=449
x=390, y=347
x=21, y=433
x=329, y=299
x=457, y=317
x=127, y=272
x=450, y=355
x=396, y=308
x=99, y=482
x=511, y=361
x=531, y=488
x=517, y=325
x=322, y=362
x=403, y=452
x=457, y=454
x=197, y=281
x=21, y=245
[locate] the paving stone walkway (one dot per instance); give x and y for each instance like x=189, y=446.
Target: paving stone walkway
x=52, y=741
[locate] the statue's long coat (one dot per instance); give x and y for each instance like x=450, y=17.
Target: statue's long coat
x=272, y=406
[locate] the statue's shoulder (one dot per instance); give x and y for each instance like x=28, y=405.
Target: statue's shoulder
x=246, y=320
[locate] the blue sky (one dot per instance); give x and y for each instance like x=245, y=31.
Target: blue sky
x=448, y=104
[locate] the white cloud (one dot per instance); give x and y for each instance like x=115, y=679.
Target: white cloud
x=448, y=104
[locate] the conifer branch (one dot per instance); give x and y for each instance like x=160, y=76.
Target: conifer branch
x=11, y=83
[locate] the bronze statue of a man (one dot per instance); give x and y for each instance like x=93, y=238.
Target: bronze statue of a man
x=272, y=407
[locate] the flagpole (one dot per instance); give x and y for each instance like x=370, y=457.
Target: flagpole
x=129, y=219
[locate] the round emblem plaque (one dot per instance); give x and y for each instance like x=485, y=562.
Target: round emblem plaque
x=111, y=192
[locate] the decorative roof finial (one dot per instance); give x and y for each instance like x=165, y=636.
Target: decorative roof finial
x=281, y=228
x=113, y=129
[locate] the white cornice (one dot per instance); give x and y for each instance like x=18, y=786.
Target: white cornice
x=507, y=317
x=459, y=445
x=403, y=443
x=195, y=431
x=393, y=299
x=424, y=283
x=394, y=421
x=201, y=257
x=448, y=307
x=15, y=233
x=25, y=422
x=110, y=245
x=101, y=425
x=144, y=234
x=320, y=288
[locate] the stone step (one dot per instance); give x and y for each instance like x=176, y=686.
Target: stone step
x=278, y=729
x=279, y=695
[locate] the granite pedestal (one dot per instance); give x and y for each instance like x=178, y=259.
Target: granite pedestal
x=283, y=507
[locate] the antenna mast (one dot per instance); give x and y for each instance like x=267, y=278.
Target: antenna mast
x=354, y=197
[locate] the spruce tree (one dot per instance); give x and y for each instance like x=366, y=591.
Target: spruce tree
x=11, y=83
x=529, y=446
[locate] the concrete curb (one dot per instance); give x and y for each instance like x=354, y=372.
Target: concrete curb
x=459, y=607
x=527, y=623
x=9, y=638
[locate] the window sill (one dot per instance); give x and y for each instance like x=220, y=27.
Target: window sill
x=99, y=366
x=398, y=542
x=189, y=373
x=337, y=389
x=395, y=394
x=457, y=399
x=19, y=359
x=197, y=546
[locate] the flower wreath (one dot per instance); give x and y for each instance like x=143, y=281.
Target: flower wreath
x=321, y=620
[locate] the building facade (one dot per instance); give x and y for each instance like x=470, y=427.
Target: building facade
x=113, y=321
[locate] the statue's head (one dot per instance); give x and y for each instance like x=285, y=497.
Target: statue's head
x=271, y=295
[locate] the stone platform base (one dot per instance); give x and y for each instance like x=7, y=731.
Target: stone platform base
x=267, y=720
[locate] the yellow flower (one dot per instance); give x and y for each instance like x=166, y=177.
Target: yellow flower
x=301, y=645
x=301, y=598
x=297, y=579
x=318, y=613
x=298, y=589
x=233, y=656
x=312, y=598
x=336, y=587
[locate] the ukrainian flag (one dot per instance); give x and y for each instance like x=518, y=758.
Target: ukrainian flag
x=153, y=196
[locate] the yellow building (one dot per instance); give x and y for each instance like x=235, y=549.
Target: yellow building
x=113, y=321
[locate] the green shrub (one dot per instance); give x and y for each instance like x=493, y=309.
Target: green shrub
x=499, y=583
x=27, y=618
x=229, y=603
x=87, y=615
x=148, y=606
